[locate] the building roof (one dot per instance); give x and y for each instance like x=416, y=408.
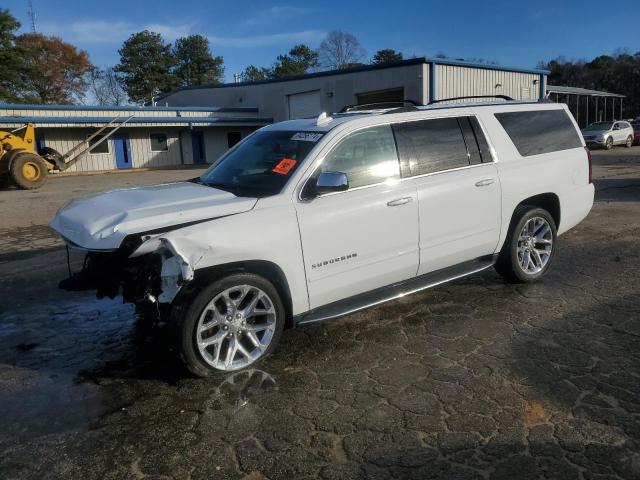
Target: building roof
x=363, y=68
x=581, y=91
x=137, y=121
x=129, y=108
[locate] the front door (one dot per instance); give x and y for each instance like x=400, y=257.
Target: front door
x=122, y=149
x=458, y=189
x=197, y=145
x=367, y=236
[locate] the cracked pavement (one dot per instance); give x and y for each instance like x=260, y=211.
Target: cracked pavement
x=476, y=379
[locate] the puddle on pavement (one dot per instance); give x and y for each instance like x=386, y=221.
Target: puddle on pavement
x=65, y=366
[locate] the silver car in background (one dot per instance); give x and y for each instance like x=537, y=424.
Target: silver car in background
x=608, y=134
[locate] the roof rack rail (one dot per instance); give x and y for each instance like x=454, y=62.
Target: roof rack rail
x=502, y=97
x=379, y=105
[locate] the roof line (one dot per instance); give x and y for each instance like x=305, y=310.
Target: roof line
x=128, y=108
x=134, y=120
x=562, y=89
x=362, y=68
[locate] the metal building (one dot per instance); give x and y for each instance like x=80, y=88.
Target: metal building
x=418, y=79
x=588, y=106
x=149, y=136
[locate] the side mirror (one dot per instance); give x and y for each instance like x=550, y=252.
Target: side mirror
x=616, y=127
x=328, y=182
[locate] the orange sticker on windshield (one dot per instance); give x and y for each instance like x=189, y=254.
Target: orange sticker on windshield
x=284, y=166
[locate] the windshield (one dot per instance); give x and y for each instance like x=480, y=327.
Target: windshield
x=262, y=164
x=599, y=126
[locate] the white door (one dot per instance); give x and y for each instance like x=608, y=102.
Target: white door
x=458, y=190
x=305, y=105
x=366, y=237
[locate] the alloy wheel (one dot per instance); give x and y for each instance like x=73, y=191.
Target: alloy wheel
x=535, y=244
x=236, y=327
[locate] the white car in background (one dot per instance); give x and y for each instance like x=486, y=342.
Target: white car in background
x=608, y=134
x=313, y=219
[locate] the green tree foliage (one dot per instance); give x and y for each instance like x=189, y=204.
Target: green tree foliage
x=11, y=62
x=254, y=74
x=386, y=55
x=146, y=64
x=54, y=71
x=194, y=64
x=618, y=73
x=300, y=60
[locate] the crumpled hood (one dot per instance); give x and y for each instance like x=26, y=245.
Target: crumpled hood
x=102, y=221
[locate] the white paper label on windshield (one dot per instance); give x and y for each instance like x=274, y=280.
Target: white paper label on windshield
x=307, y=137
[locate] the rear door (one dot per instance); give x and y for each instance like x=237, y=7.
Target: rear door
x=449, y=162
x=367, y=236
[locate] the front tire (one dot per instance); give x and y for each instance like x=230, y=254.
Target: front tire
x=608, y=144
x=229, y=324
x=28, y=171
x=529, y=246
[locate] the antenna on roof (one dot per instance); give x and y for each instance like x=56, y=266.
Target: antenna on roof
x=32, y=16
x=323, y=118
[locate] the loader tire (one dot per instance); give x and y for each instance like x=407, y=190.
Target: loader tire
x=28, y=171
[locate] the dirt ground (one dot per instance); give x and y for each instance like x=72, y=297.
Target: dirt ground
x=476, y=379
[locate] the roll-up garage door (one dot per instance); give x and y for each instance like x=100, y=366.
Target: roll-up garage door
x=305, y=105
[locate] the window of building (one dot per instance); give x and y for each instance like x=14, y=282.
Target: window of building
x=430, y=146
x=368, y=156
x=233, y=138
x=159, y=142
x=96, y=148
x=536, y=132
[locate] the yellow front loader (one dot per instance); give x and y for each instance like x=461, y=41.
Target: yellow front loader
x=18, y=158
x=28, y=169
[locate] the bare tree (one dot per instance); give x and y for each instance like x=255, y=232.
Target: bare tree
x=106, y=87
x=340, y=50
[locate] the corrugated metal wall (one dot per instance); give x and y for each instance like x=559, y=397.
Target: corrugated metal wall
x=457, y=81
x=142, y=156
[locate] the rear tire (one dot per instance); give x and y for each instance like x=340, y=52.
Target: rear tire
x=229, y=324
x=529, y=247
x=28, y=171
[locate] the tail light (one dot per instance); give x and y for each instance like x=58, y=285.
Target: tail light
x=590, y=164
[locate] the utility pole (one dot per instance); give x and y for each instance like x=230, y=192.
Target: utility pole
x=32, y=16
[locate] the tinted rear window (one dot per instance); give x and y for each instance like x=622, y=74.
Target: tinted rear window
x=541, y=131
x=429, y=146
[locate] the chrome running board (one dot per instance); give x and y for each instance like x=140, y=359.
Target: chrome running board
x=394, y=291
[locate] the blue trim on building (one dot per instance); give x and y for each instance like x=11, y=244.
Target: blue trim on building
x=543, y=86
x=127, y=108
x=135, y=120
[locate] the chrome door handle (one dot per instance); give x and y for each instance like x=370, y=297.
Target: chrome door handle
x=485, y=182
x=399, y=201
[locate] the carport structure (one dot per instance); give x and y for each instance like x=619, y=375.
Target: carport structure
x=588, y=106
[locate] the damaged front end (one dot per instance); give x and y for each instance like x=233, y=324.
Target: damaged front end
x=144, y=269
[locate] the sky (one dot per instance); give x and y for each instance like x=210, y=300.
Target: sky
x=513, y=33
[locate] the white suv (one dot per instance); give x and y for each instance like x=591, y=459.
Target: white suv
x=312, y=219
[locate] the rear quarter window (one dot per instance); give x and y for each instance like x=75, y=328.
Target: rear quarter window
x=536, y=132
